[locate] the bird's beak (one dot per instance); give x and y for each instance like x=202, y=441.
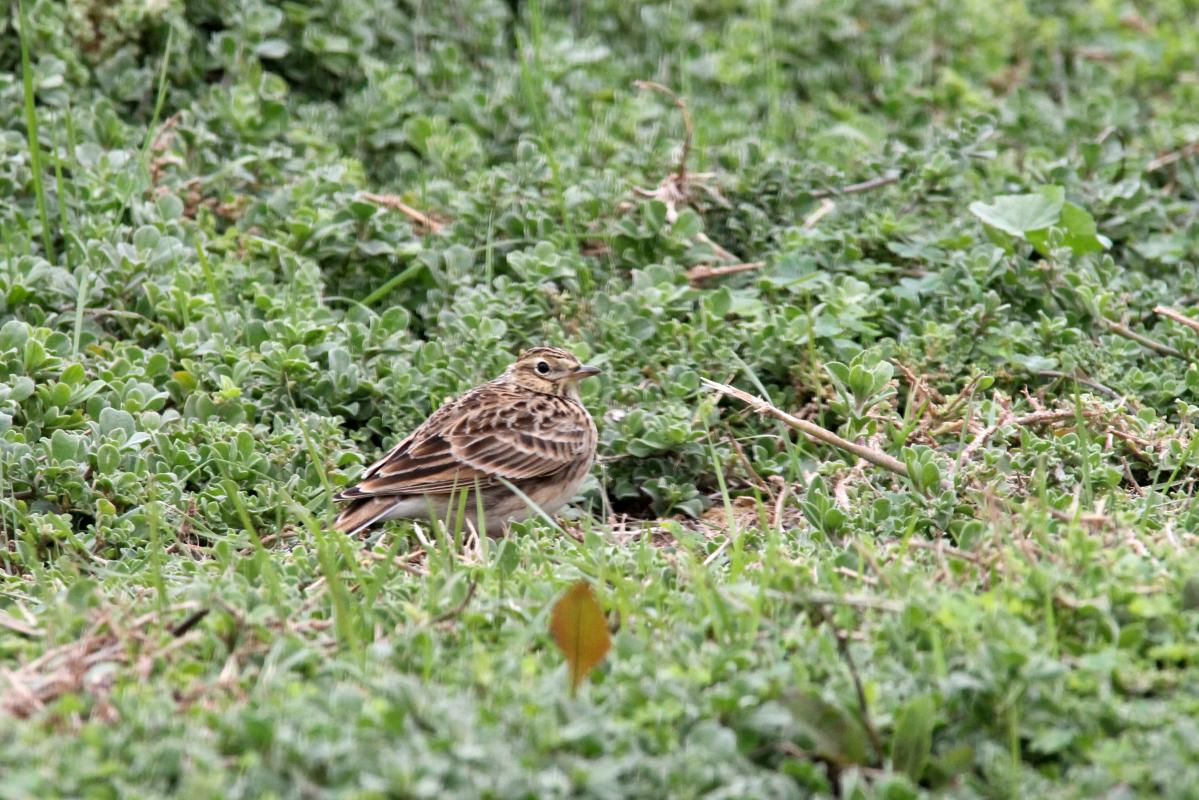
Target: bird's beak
x=585, y=371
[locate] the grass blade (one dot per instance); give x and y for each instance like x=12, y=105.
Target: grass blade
x=31, y=132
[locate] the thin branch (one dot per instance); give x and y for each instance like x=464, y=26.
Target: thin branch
x=190, y=621
x=863, y=708
x=852, y=601
x=1166, y=159
x=717, y=249
x=1120, y=329
x=401, y=562
x=14, y=624
x=454, y=612
x=1177, y=316
x=812, y=431
x=701, y=273
x=681, y=171
x=1050, y=416
x=854, y=188
x=747, y=464
x=1092, y=519
x=1046, y=417
x=941, y=549
x=1090, y=384
x=393, y=202
x=980, y=440
x=823, y=210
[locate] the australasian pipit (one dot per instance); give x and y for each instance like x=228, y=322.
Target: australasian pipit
x=526, y=429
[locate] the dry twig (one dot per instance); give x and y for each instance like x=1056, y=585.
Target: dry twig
x=698, y=274
x=681, y=171
x=811, y=430
x=1177, y=316
x=748, y=465
x=1087, y=382
x=422, y=220
x=69, y=667
x=855, y=188
x=677, y=188
x=1120, y=329
x=1166, y=159
x=453, y=613
x=852, y=601
x=163, y=139
x=722, y=253
x=823, y=210
x=14, y=624
x=863, y=707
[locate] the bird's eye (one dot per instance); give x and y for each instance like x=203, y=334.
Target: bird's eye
x=543, y=367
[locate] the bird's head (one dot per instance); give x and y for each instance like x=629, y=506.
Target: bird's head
x=550, y=370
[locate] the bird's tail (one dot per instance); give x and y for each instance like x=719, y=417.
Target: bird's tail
x=362, y=514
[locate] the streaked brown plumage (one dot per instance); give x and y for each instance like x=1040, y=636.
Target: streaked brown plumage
x=527, y=427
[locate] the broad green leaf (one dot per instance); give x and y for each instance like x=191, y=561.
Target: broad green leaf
x=64, y=446
x=112, y=419
x=12, y=335
x=108, y=458
x=1018, y=214
x=688, y=224
x=1190, y=593
x=949, y=765
x=1031, y=216
x=272, y=48
x=22, y=388
x=655, y=214
x=913, y=739
x=834, y=733
x=146, y=237
x=719, y=302
x=1082, y=235
x=580, y=631
x=73, y=375
x=508, y=558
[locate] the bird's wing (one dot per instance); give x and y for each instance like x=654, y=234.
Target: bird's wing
x=489, y=434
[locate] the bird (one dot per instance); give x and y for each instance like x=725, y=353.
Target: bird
x=526, y=429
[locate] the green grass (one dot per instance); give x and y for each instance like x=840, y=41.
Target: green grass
x=31, y=131
x=207, y=328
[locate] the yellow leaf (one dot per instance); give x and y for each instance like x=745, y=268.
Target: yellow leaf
x=580, y=631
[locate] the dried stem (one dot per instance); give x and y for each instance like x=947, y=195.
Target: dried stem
x=701, y=273
x=1120, y=329
x=1090, y=384
x=852, y=601
x=748, y=465
x=1166, y=159
x=721, y=252
x=681, y=171
x=980, y=440
x=192, y=620
x=855, y=188
x=1177, y=316
x=811, y=430
x=863, y=708
x=392, y=201
x=823, y=210
x=14, y=624
x=454, y=612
